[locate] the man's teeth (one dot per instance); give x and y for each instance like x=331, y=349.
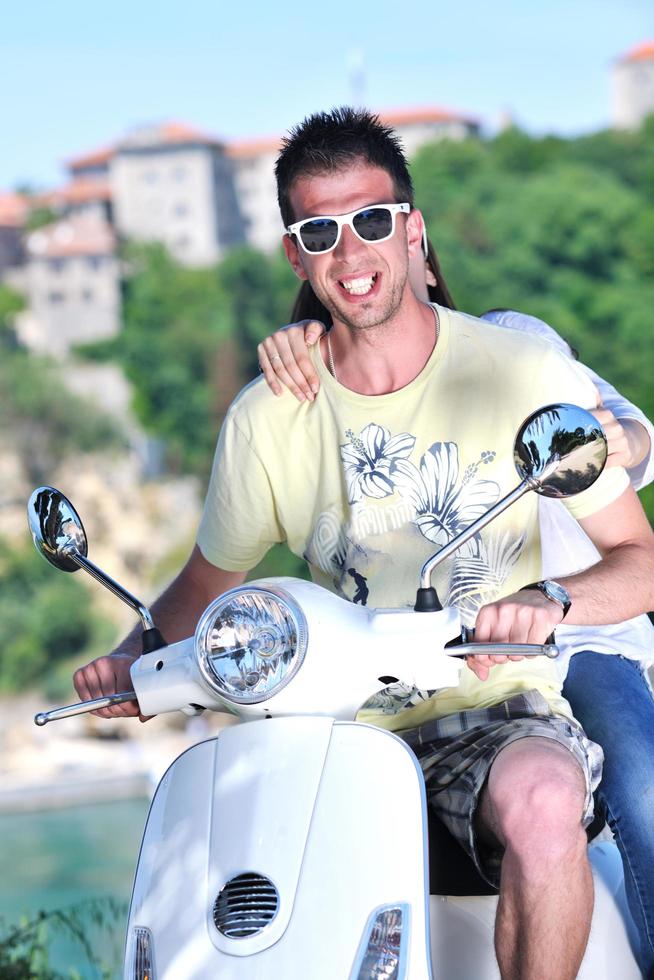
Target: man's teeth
x=358, y=287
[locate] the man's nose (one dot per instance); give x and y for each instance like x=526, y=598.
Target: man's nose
x=348, y=244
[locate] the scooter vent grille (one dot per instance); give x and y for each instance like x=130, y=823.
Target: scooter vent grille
x=245, y=906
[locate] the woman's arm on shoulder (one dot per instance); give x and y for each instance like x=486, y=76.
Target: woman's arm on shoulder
x=284, y=359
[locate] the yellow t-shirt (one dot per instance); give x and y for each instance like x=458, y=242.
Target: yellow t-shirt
x=366, y=488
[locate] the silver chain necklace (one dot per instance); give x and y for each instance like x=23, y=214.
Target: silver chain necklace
x=331, y=358
x=330, y=355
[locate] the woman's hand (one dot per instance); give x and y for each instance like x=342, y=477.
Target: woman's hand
x=283, y=357
x=628, y=441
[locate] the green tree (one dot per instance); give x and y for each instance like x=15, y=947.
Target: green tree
x=189, y=341
x=175, y=321
x=46, y=618
x=25, y=952
x=39, y=217
x=45, y=420
x=11, y=303
x=260, y=291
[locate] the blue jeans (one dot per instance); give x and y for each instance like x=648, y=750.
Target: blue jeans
x=611, y=699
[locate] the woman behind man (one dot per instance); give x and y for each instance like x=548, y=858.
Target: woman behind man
x=604, y=667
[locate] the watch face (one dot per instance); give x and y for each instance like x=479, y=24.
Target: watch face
x=557, y=592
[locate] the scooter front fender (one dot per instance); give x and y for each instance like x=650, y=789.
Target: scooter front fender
x=332, y=814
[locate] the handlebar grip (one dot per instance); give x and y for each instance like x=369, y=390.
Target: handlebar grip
x=468, y=636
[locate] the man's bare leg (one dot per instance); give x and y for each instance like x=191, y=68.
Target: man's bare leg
x=532, y=805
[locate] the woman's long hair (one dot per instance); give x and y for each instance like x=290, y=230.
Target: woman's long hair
x=307, y=306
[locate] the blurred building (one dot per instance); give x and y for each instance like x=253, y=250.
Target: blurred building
x=14, y=211
x=253, y=175
x=71, y=280
x=633, y=86
x=168, y=183
x=415, y=127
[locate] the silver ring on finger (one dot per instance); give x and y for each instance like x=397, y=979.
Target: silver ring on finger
x=274, y=358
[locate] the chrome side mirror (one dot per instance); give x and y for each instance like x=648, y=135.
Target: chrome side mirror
x=560, y=450
x=56, y=528
x=59, y=536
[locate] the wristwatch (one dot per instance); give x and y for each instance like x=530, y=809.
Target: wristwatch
x=555, y=592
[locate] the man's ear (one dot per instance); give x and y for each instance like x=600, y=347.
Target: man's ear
x=293, y=256
x=414, y=231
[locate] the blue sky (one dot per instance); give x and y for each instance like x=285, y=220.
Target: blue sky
x=76, y=75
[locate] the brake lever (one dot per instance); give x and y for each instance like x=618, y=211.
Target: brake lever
x=503, y=650
x=82, y=707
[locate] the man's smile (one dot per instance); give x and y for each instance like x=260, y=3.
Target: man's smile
x=359, y=286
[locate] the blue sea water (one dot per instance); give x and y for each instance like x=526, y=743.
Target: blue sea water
x=56, y=859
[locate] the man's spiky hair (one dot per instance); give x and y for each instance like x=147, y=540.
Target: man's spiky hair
x=330, y=141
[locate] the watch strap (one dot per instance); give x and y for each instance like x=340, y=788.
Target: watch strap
x=542, y=587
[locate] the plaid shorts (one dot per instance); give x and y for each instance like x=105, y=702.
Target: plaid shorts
x=457, y=751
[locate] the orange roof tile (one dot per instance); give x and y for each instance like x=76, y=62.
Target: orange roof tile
x=179, y=132
x=80, y=191
x=642, y=52
x=14, y=209
x=426, y=114
x=78, y=235
x=166, y=134
x=254, y=147
x=96, y=158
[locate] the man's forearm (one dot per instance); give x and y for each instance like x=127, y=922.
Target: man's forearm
x=617, y=588
x=175, y=613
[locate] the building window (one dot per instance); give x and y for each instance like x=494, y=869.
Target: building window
x=149, y=176
x=94, y=262
x=56, y=265
x=180, y=210
x=55, y=297
x=87, y=296
x=179, y=174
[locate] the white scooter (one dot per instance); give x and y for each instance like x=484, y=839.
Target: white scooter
x=295, y=847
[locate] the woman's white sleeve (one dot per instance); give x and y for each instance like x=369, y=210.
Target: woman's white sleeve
x=642, y=474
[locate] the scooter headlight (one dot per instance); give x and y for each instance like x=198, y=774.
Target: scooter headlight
x=250, y=642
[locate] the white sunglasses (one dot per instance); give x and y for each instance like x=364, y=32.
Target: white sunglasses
x=372, y=224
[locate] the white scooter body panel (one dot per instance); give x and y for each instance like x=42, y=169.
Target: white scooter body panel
x=331, y=812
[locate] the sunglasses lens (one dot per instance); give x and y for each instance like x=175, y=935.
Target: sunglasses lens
x=319, y=235
x=373, y=224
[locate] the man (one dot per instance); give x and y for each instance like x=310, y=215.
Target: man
x=408, y=444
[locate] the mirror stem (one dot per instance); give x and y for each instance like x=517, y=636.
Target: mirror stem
x=481, y=522
x=118, y=590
